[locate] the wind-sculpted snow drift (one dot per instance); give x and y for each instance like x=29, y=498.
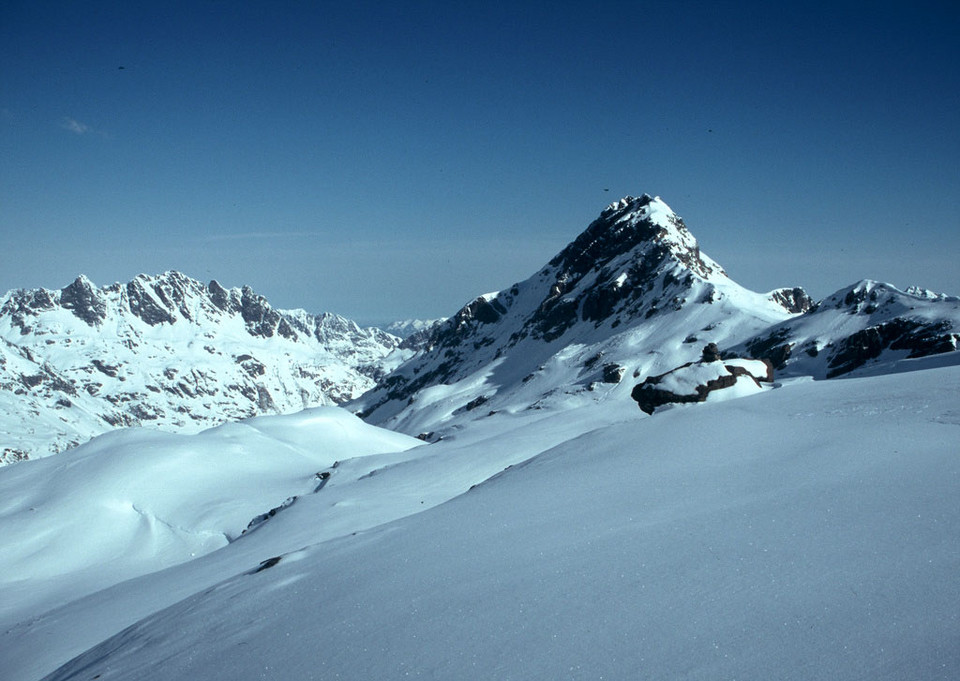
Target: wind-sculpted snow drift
x=168, y=352
x=135, y=501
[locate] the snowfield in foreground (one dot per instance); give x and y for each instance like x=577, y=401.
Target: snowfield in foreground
x=806, y=532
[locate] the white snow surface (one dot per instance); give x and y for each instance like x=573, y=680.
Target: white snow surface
x=806, y=532
x=137, y=500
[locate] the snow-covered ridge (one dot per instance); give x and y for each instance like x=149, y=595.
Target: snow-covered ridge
x=408, y=327
x=170, y=352
x=862, y=326
x=414, y=332
x=633, y=296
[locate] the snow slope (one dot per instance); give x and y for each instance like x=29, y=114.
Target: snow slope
x=168, y=352
x=805, y=532
x=137, y=500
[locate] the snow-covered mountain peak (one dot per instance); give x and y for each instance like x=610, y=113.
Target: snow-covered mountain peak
x=635, y=278
x=645, y=229
x=925, y=293
x=83, y=299
x=633, y=296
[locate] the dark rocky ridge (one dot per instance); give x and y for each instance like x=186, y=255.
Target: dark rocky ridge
x=917, y=339
x=857, y=325
x=80, y=298
x=794, y=300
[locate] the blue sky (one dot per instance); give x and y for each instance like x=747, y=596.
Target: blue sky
x=392, y=160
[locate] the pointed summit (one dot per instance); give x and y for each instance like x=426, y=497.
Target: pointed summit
x=83, y=299
x=630, y=223
x=635, y=267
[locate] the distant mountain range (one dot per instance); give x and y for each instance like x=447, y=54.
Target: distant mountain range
x=169, y=352
x=632, y=296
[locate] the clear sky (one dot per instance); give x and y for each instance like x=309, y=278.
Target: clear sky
x=388, y=160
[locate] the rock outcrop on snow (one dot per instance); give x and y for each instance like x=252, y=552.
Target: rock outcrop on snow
x=794, y=300
x=696, y=381
x=170, y=352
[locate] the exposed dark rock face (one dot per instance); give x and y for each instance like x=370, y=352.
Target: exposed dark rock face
x=614, y=233
x=649, y=397
x=81, y=299
x=219, y=296
x=857, y=325
x=25, y=304
x=267, y=564
x=261, y=319
x=418, y=340
x=774, y=348
x=598, y=250
x=11, y=455
x=263, y=517
x=484, y=311
x=144, y=307
x=711, y=353
x=104, y=368
x=613, y=373
x=252, y=366
x=794, y=300
x=918, y=339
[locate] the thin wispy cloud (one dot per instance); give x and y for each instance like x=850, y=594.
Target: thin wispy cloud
x=75, y=126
